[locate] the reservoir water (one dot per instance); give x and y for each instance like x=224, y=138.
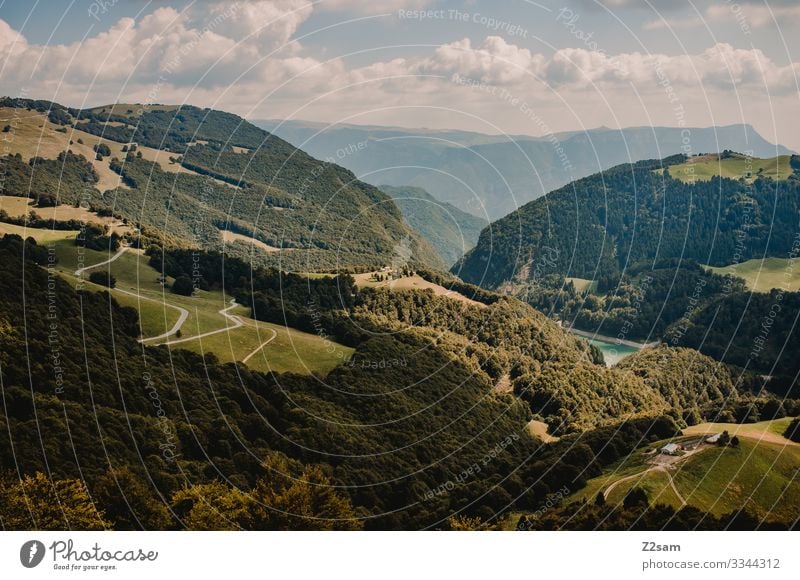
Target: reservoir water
x=612, y=352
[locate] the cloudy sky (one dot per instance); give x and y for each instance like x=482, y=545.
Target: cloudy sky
x=515, y=66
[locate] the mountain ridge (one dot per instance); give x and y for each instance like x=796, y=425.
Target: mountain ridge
x=490, y=175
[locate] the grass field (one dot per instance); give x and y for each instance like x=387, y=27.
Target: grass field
x=705, y=167
x=583, y=285
x=764, y=275
x=760, y=474
x=635, y=463
x=34, y=135
x=289, y=351
x=539, y=429
x=412, y=283
x=21, y=206
x=42, y=236
x=230, y=237
x=765, y=430
x=655, y=483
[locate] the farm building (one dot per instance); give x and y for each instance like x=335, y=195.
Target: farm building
x=713, y=438
x=670, y=449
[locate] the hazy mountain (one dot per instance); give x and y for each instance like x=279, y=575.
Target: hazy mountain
x=489, y=175
x=449, y=230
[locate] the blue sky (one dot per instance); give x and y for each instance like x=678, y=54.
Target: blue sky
x=512, y=66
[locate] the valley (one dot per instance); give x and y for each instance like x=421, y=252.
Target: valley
x=312, y=319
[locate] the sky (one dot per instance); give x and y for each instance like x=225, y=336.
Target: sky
x=502, y=66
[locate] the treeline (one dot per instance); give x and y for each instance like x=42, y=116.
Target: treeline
x=455, y=284
x=406, y=446
x=288, y=496
x=648, y=300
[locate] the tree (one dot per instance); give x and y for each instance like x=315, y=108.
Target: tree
x=462, y=523
x=36, y=503
x=636, y=497
x=183, y=285
x=284, y=499
x=793, y=431
x=600, y=498
x=215, y=506
x=102, y=150
x=129, y=503
x=724, y=439
x=734, y=441
x=301, y=501
x=103, y=279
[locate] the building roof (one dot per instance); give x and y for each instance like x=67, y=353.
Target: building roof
x=670, y=447
x=713, y=438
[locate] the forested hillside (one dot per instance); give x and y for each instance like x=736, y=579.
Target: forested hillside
x=191, y=176
x=388, y=431
x=640, y=244
x=600, y=226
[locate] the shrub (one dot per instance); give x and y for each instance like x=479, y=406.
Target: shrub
x=103, y=278
x=183, y=285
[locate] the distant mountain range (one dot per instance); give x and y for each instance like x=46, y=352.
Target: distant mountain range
x=489, y=175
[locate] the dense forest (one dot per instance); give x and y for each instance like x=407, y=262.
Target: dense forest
x=642, y=237
x=380, y=447
x=599, y=226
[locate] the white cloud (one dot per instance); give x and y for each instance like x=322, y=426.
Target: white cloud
x=275, y=20
x=720, y=67
x=208, y=57
x=208, y=45
x=495, y=61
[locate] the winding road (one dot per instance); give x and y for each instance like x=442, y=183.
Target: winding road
x=183, y=314
x=236, y=321
x=260, y=346
x=641, y=474
x=121, y=251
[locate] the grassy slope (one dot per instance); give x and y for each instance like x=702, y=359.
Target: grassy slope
x=414, y=282
x=654, y=483
x=759, y=474
x=764, y=275
x=291, y=350
x=705, y=167
x=33, y=135
x=762, y=429
x=584, y=285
